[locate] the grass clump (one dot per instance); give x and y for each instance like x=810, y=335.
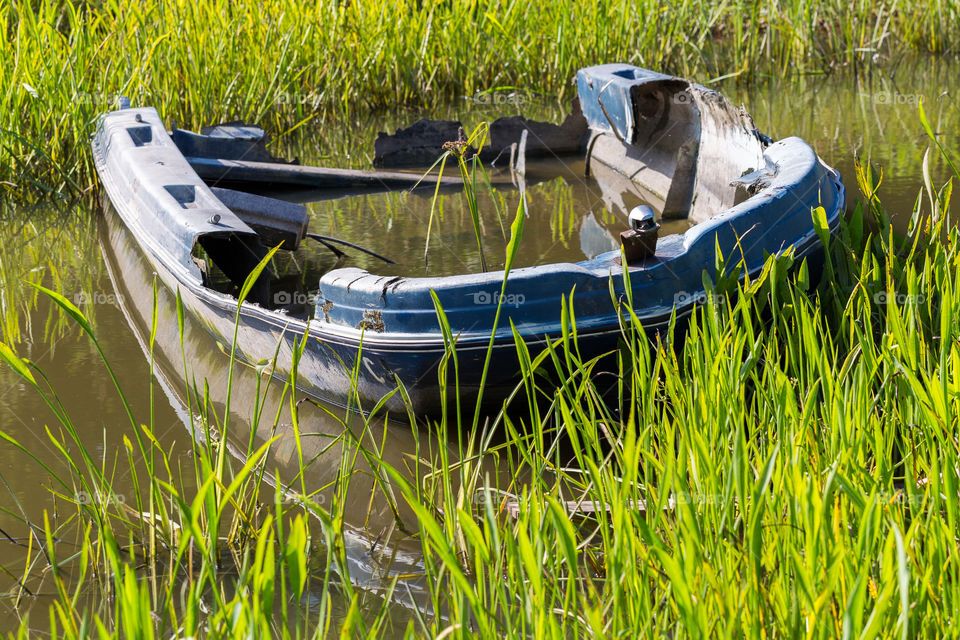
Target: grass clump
x=282, y=63
x=792, y=470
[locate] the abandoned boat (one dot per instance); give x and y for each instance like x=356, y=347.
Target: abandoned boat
x=684, y=147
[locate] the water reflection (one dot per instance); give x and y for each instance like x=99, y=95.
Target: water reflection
x=377, y=527
x=47, y=244
x=570, y=217
x=874, y=116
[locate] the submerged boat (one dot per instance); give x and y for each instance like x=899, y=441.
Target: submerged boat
x=682, y=146
x=181, y=355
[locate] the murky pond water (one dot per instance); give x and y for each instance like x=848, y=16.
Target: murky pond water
x=93, y=261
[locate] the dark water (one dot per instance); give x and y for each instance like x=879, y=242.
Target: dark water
x=79, y=252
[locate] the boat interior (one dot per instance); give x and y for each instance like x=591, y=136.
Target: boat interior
x=675, y=147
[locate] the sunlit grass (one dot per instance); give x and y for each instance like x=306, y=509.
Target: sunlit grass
x=282, y=63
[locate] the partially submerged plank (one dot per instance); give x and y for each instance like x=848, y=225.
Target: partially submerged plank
x=214, y=170
x=546, y=139
x=422, y=143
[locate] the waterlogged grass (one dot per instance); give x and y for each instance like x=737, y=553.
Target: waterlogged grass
x=789, y=469
x=281, y=63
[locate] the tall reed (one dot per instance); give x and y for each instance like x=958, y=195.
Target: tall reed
x=282, y=63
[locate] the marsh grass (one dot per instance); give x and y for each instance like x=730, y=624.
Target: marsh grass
x=214, y=550
x=790, y=467
x=793, y=467
x=283, y=63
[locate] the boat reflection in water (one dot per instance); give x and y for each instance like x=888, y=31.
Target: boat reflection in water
x=377, y=548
